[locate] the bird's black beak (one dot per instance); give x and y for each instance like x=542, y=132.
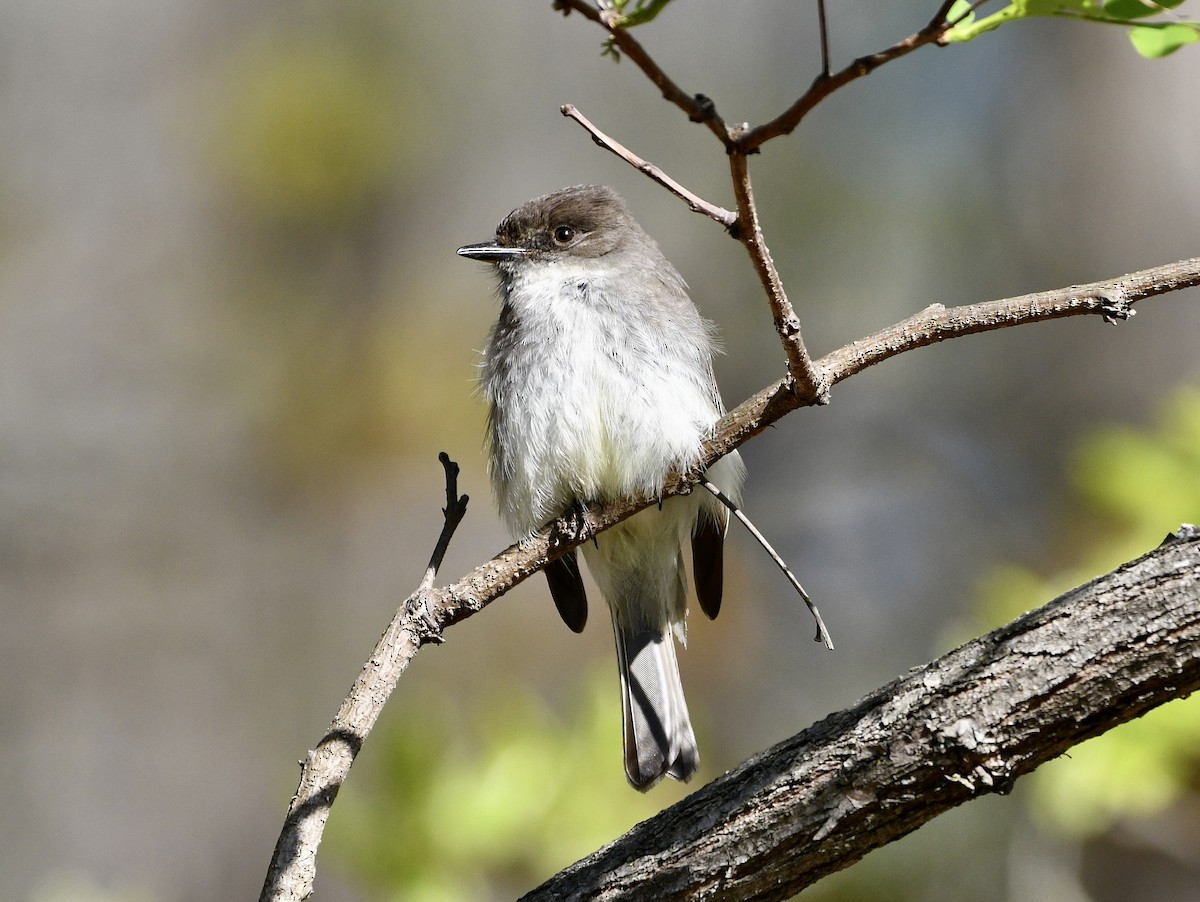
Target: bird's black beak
x=491, y=252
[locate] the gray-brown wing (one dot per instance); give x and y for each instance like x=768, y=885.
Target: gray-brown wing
x=566, y=588
x=708, y=562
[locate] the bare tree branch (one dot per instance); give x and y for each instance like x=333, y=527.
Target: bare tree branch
x=807, y=381
x=453, y=512
x=1112, y=299
x=294, y=863
x=744, y=139
x=822, y=631
x=698, y=108
x=744, y=226
x=740, y=141
x=967, y=725
x=825, y=84
x=823, y=26
x=516, y=563
x=695, y=203
x=425, y=614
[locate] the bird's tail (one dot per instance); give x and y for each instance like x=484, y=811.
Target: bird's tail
x=658, y=732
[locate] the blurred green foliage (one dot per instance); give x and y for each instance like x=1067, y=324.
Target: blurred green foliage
x=337, y=393
x=1152, y=40
x=311, y=130
x=1134, y=486
x=487, y=798
x=638, y=12
x=1136, y=770
x=316, y=131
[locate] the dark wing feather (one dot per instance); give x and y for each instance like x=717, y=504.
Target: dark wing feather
x=708, y=562
x=566, y=588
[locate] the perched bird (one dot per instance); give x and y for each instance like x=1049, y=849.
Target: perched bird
x=598, y=378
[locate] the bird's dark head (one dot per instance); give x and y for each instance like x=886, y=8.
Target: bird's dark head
x=586, y=221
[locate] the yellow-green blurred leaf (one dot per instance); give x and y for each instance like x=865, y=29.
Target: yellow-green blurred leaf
x=311, y=131
x=516, y=793
x=1142, y=484
x=1133, y=771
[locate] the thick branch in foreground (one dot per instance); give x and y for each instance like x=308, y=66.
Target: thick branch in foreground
x=966, y=725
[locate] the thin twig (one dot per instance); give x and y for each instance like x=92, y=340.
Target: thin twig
x=822, y=633
x=823, y=23
x=454, y=511
x=748, y=140
x=294, y=863
x=825, y=83
x=807, y=381
x=698, y=108
x=695, y=203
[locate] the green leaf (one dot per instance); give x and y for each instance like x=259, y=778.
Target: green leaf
x=1151, y=40
x=961, y=10
x=1019, y=9
x=972, y=28
x=1050, y=7
x=1137, y=9
x=638, y=12
x=1157, y=41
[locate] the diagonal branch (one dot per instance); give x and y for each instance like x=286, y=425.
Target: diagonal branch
x=746, y=228
x=825, y=83
x=698, y=108
x=806, y=380
x=695, y=202
x=1112, y=299
x=294, y=863
x=424, y=615
x=966, y=725
x=739, y=142
x=822, y=631
x=747, y=140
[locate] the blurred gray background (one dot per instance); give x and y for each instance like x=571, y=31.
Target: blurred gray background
x=234, y=336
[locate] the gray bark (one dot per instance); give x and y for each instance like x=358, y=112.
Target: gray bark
x=965, y=725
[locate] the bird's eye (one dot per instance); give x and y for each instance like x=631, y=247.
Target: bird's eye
x=564, y=234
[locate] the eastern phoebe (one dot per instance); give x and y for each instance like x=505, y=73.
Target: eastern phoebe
x=598, y=378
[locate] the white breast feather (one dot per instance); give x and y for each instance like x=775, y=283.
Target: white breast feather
x=599, y=416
